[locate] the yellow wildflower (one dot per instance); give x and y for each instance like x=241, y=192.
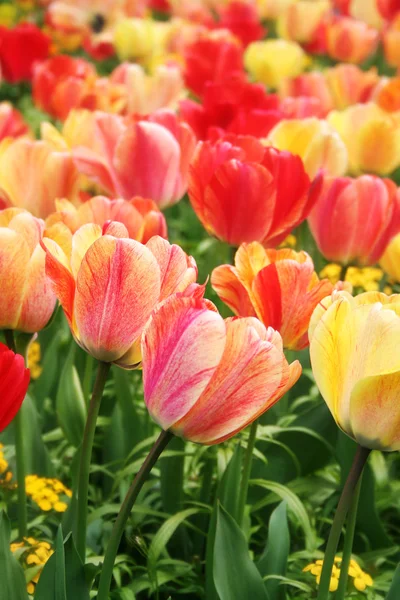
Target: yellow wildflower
x=34, y=356
x=360, y=579
x=8, y=14
x=289, y=242
x=5, y=473
x=35, y=553
x=46, y=493
x=364, y=278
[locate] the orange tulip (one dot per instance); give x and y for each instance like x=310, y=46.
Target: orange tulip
x=141, y=217
x=242, y=191
x=388, y=95
x=109, y=284
x=350, y=40
x=33, y=175
x=349, y=84
x=391, y=43
x=354, y=219
x=280, y=287
x=301, y=19
x=27, y=300
x=206, y=378
x=310, y=85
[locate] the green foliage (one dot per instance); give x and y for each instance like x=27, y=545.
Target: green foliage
x=12, y=577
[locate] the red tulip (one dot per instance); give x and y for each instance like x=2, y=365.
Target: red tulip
x=232, y=105
x=242, y=20
x=211, y=57
x=14, y=381
x=63, y=83
x=244, y=192
x=354, y=219
x=20, y=48
x=12, y=123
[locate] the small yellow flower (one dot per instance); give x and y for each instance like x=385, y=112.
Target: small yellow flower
x=34, y=356
x=289, y=242
x=35, y=553
x=46, y=492
x=5, y=473
x=365, y=278
x=361, y=580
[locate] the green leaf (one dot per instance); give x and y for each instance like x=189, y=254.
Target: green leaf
x=235, y=575
x=64, y=576
x=164, y=534
x=274, y=559
x=295, y=505
x=394, y=592
x=12, y=580
x=228, y=496
x=70, y=402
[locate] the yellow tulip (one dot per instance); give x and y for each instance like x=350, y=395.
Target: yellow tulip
x=390, y=261
x=269, y=61
x=371, y=136
x=354, y=350
x=301, y=19
x=140, y=39
x=316, y=142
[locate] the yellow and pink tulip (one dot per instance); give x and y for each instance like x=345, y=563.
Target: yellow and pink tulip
x=206, y=378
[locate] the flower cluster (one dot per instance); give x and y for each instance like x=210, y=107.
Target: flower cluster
x=47, y=493
x=360, y=579
x=32, y=553
x=5, y=473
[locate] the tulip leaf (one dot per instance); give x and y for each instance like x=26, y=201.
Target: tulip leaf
x=394, y=591
x=12, y=586
x=236, y=577
x=70, y=402
x=63, y=577
x=273, y=561
x=227, y=494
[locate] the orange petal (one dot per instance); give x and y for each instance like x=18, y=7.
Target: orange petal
x=225, y=282
x=14, y=260
x=177, y=270
x=117, y=287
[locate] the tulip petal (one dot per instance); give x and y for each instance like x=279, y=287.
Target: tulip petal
x=375, y=412
x=58, y=271
x=226, y=283
x=176, y=270
x=232, y=206
x=181, y=347
x=14, y=260
x=14, y=381
x=117, y=287
x=81, y=242
x=251, y=377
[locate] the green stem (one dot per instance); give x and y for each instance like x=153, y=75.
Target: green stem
x=244, y=484
x=19, y=456
x=87, y=376
x=85, y=458
x=125, y=511
x=360, y=458
x=343, y=272
x=348, y=543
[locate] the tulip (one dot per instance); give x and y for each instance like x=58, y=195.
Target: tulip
x=213, y=56
x=366, y=11
x=63, y=83
x=12, y=123
x=387, y=95
x=139, y=39
x=232, y=105
x=109, y=284
x=390, y=260
x=141, y=217
x=353, y=220
x=391, y=43
x=313, y=85
x=364, y=128
x=14, y=382
x=269, y=61
x=27, y=300
x=280, y=287
x=301, y=107
x=241, y=18
x=388, y=8
x=357, y=379
x=350, y=40
x=349, y=84
x=138, y=157
x=206, y=378
x=16, y=62
x=144, y=93
x=315, y=141
x=242, y=191
x=272, y=9
x=33, y=174
x=301, y=19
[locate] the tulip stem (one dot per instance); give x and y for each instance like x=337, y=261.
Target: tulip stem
x=85, y=458
x=125, y=510
x=360, y=458
x=87, y=377
x=343, y=272
x=348, y=543
x=19, y=455
x=244, y=484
